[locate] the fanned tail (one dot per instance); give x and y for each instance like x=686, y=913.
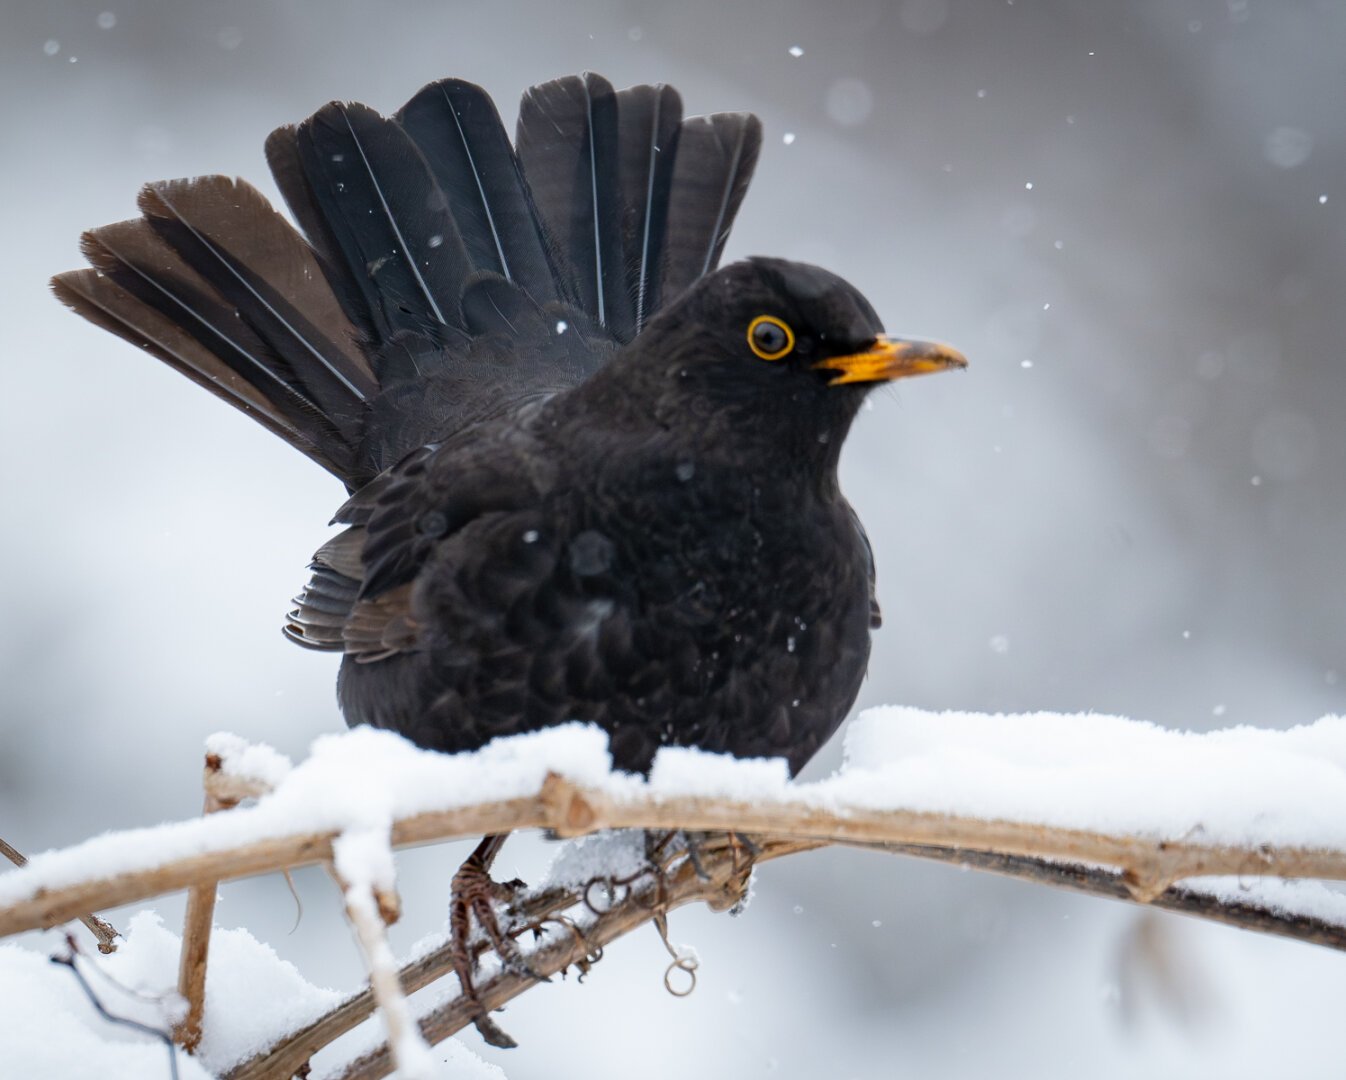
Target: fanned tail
x=385, y=224
x=420, y=233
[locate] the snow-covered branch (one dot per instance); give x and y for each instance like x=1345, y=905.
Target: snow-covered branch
x=1095, y=804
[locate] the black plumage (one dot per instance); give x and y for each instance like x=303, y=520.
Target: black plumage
x=649, y=121
x=456, y=126
x=590, y=476
x=718, y=154
x=568, y=144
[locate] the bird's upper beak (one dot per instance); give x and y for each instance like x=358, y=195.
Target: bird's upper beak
x=892, y=358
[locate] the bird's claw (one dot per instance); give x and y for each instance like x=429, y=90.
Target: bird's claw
x=694, y=856
x=473, y=900
x=744, y=848
x=492, y=1033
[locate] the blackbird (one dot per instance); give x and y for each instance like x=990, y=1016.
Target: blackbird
x=591, y=476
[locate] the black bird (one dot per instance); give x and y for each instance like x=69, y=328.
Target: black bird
x=592, y=477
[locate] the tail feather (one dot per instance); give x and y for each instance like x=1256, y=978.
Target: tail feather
x=456, y=126
x=98, y=298
x=136, y=258
x=230, y=236
x=287, y=168
x=568, y=142
x=637, y=202
x=716, y=158
x=389, y=219
x=649, y=119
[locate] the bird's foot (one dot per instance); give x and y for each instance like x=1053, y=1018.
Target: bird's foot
x=743, y=854
x=743, y=849
x=473, y=900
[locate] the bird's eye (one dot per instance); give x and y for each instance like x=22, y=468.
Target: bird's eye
x=770, y=338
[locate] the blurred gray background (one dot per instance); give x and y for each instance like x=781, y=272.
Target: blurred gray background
x=1131, y=218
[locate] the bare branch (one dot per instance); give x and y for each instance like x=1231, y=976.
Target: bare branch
x=223, y=792
x=368, y=910
x=1149, y=866
x=69, y=960
x=1133, y=868
x=1120, y=866
x=103, y=931
x=1103, y=882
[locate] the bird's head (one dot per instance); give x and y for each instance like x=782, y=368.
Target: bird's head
x=777, y=352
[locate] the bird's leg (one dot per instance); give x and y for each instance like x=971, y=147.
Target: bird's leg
x=748, y=844
x=743, y=848
x=695, y=840
x=659, y=845
x=474, y=895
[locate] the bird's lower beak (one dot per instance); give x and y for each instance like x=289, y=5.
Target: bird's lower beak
x=892, y=358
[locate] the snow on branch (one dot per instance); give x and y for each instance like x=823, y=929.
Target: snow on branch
x=1096, y=804
x=1162, y=806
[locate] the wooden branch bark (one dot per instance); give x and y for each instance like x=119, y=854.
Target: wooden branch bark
x=1121, y=867
x=1149, y=866
x=368, y=912
x=1110, y=884
x=199, y=919
x=104, y=932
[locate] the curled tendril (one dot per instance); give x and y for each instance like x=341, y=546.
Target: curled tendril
x=682, y=961
x=684, y=964
x=623, y=890
x=615, y=890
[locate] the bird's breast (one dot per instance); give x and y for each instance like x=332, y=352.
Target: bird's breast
x=672, y=602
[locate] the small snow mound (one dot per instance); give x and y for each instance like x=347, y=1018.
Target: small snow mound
x=363, y=858
x=1102, y=773
x=680, y=770
x=248, y=761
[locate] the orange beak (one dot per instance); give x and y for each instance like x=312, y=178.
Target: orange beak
x=892, y=358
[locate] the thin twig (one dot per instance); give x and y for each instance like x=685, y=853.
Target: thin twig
x=103, y=931
x=13, y=854
x=407, y=1050
x=1103, y=882
x=634, y=907
x=197, y=922
x=68, y=961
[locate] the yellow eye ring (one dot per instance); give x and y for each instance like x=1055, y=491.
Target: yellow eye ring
x=765, y=334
